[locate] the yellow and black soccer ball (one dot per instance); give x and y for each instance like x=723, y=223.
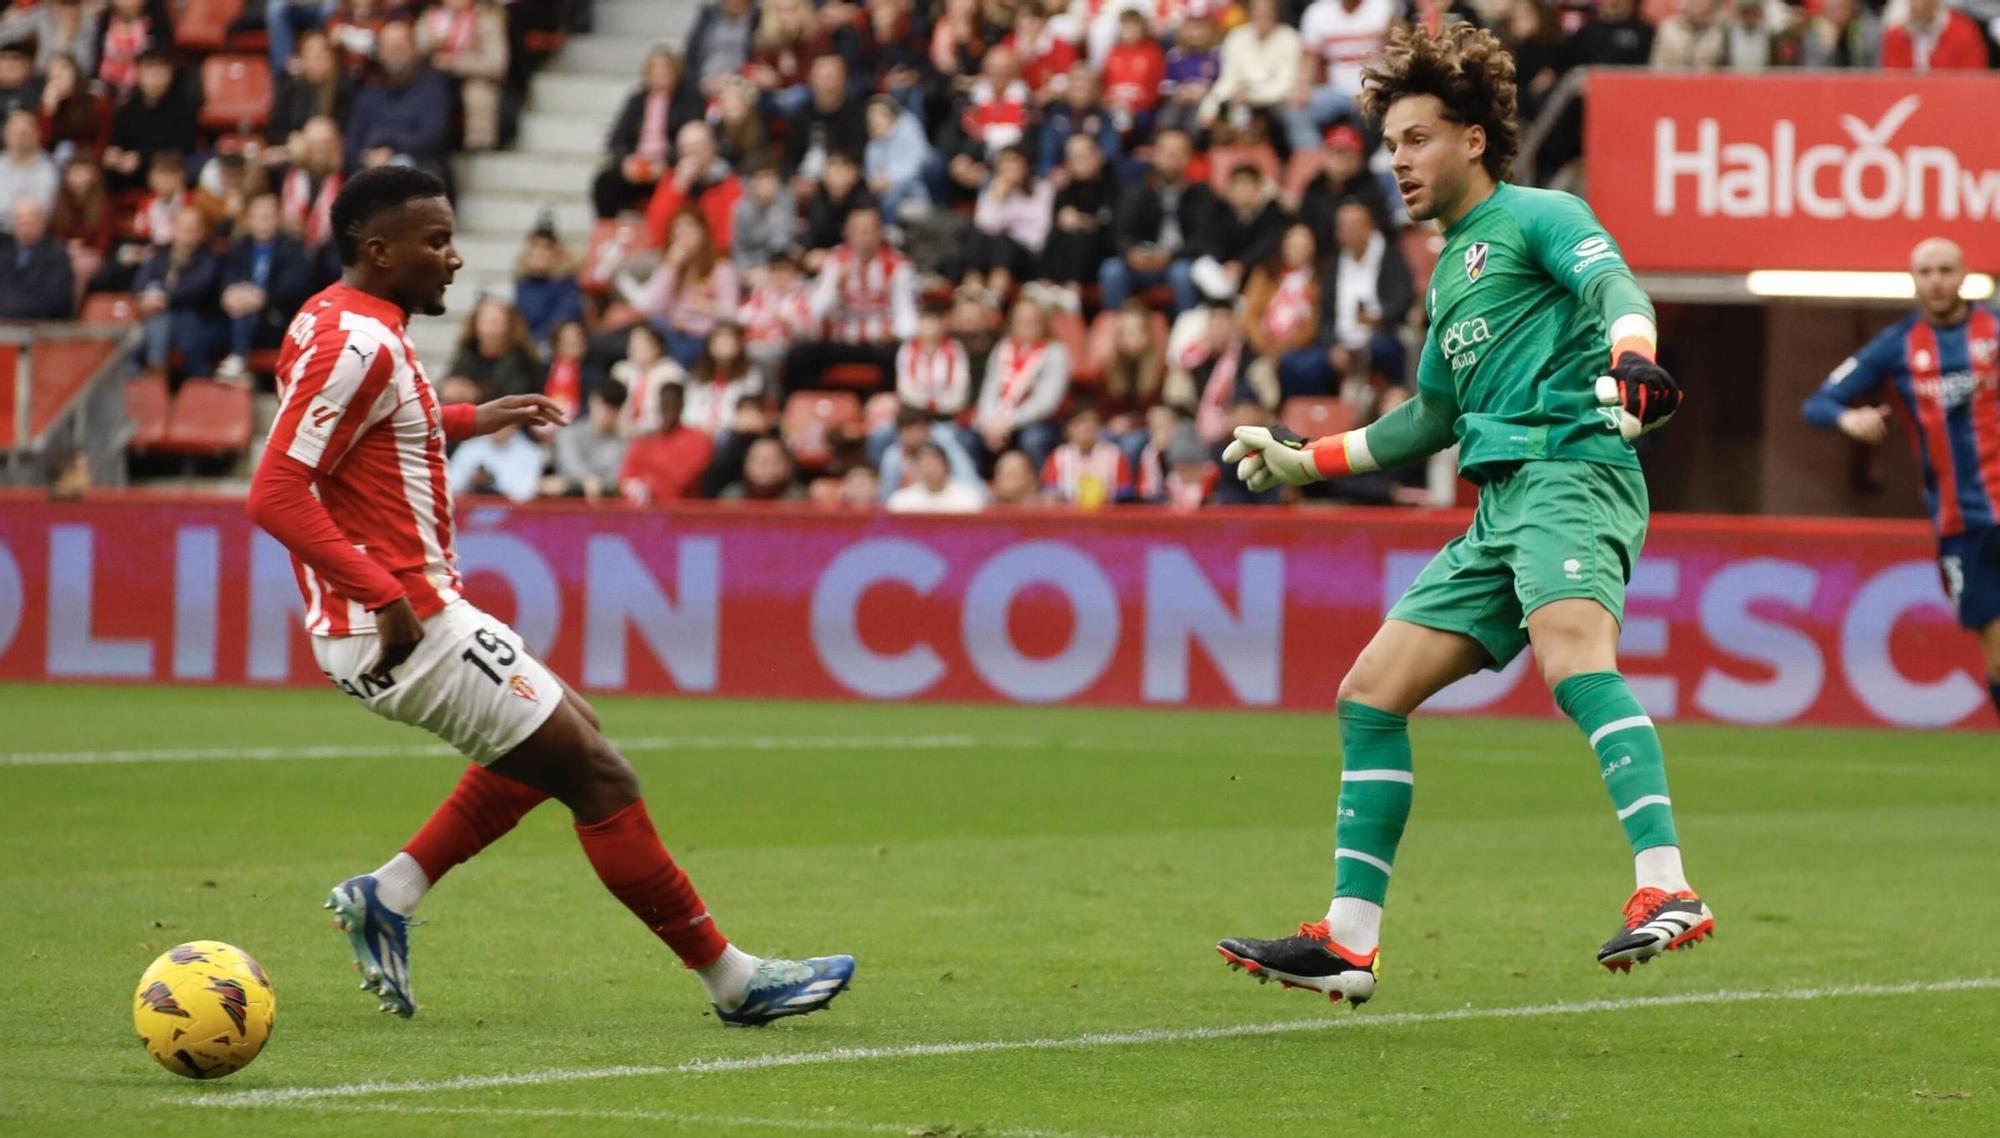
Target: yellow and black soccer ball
x=204, y=1009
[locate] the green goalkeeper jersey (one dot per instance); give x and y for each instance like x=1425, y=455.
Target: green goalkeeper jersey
x=1520, y=305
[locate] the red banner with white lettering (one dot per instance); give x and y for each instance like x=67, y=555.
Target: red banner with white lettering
x=1743, y=620
x=1814, y=170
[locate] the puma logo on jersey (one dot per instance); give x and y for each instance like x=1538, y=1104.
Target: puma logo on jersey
x=356, y=349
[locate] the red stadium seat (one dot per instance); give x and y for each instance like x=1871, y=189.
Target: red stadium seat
x=263, y=361
x=1224, y=159
x=1421, y=247
x=1300, y=171
x=110, y=308
x=209, y=418
x=853, y=377
x=236, y=92
x=247, y=143
x=813, y=422
x=1316, y=415
x=202, y=26
x=1067, y=329
x=146, y=407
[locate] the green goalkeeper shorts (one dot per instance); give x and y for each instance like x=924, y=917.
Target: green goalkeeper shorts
x=1547, y=531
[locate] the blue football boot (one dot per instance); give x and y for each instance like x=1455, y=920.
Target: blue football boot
x=380, y=941
x=781, y=988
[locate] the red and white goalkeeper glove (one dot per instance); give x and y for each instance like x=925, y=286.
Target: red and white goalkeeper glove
x=1645, y=395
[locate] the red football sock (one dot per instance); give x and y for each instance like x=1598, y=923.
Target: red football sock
x=629, y=859
x=481, y=809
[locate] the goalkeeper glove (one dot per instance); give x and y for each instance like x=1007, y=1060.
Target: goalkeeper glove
x=1271, y=456
x=1645, y=395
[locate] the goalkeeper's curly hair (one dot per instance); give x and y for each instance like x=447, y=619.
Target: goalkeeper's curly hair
x=1466, y=68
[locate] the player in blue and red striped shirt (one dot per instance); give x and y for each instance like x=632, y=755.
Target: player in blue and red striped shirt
x=1943, y=364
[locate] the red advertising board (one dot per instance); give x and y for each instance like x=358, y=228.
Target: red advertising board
x=1738, y=620
x=1814, y=170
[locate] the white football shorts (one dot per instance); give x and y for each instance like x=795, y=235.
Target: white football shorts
x=471, y=682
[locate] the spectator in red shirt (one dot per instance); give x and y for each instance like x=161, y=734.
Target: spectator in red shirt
x=1133, y=71
x=666, y=465
x=1935, y=37
x=1045, y=57
x=701, y=178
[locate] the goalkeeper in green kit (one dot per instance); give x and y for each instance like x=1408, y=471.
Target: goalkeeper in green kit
x=1529, y=306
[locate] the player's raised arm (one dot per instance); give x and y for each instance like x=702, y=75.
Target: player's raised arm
x=1845, y=402
x=1422, y=426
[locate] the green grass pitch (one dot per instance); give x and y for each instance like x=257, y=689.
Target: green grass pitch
x=1037, y=890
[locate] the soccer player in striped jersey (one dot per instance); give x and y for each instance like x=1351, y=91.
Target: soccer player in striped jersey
x=1942, y=362
x=352, y=482
x=1530, y=303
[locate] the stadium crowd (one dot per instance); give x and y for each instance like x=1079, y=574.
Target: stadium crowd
x=928, y=256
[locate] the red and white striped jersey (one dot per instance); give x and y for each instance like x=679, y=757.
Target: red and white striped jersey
x=1088, y=478
x=771, y=315
x=935, y=378
x=866, y=302
x=357, y=409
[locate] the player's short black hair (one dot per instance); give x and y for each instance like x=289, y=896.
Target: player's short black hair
x=374, y=192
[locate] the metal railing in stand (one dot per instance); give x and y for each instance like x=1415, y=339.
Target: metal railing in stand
x=1569, y=90
x=92, y=415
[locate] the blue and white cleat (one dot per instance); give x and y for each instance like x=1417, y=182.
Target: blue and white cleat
x=781, y=988
x=380, y=941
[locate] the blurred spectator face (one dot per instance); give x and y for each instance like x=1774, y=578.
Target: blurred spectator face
x=1248, y=413
x=1264, y=15
x=603, y=416
x=859, y=488
x=1082, y=158
x=829, y=82
x=1161, y=423
x=23, y=135
x=672, y=399
x=881, y=118
x=932, y=471
x=1083, y=429
x=31, y=221
x=164, y=179
x=1299, y=249
x=930, y=326
x=261, y=217
x=663, y=72
x=1028, y=323
x=317, y=63
x=1000, y=67
x=1343, y=162
x=490, y=325
x=912, y=433
x=1131, y=28
x=1924, y=13
x=570, y=341
x=156, y=77
x=15, y=67
x=695, y=143
x=1132, y=335
x=725, y=344
x=750, y=416
x=129, y=9
x=970, y=318
x=1353, y=226
x=82, y=177
x=190, y=231
x=1619, y=11
x=764, y=186
x=1938, y=268
x=642, y=347
x=1011, y=169
x=863, y=232
x=1171, y=152
x=1246, y=191
x=1221, y=326
x=767, y=467
x=1013, y=479
x=396, y=50
x=1836, y=12
x=539, y=258
x=1524, y=20
x=458, y=389
x=320, y=139
x=841, y=175
x=736, y=102
x=1749, y=13
x=1701, y=13
x=1081, y=92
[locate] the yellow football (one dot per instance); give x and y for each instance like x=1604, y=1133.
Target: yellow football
x=204, y=1009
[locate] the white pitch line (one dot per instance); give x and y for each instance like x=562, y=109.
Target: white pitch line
x=382, y=751
x=280, y=1095
x=815, y=1125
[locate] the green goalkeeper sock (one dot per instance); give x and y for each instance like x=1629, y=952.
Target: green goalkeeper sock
x=1628, y=754
x=1376, y=786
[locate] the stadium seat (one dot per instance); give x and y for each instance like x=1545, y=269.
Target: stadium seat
x=1068, y=330
x=880, y=412
x=1316, y=415
x=263, y=361
x=202, y=26
x=146, y=406
x=248, y=143
x=236, y=92
x=1421, y=247
x=813, y=420
x=1299, y=172
x=110, y=308
x=1223, y=159
x=611, y=241
x=209, y=418
x=853, y=377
